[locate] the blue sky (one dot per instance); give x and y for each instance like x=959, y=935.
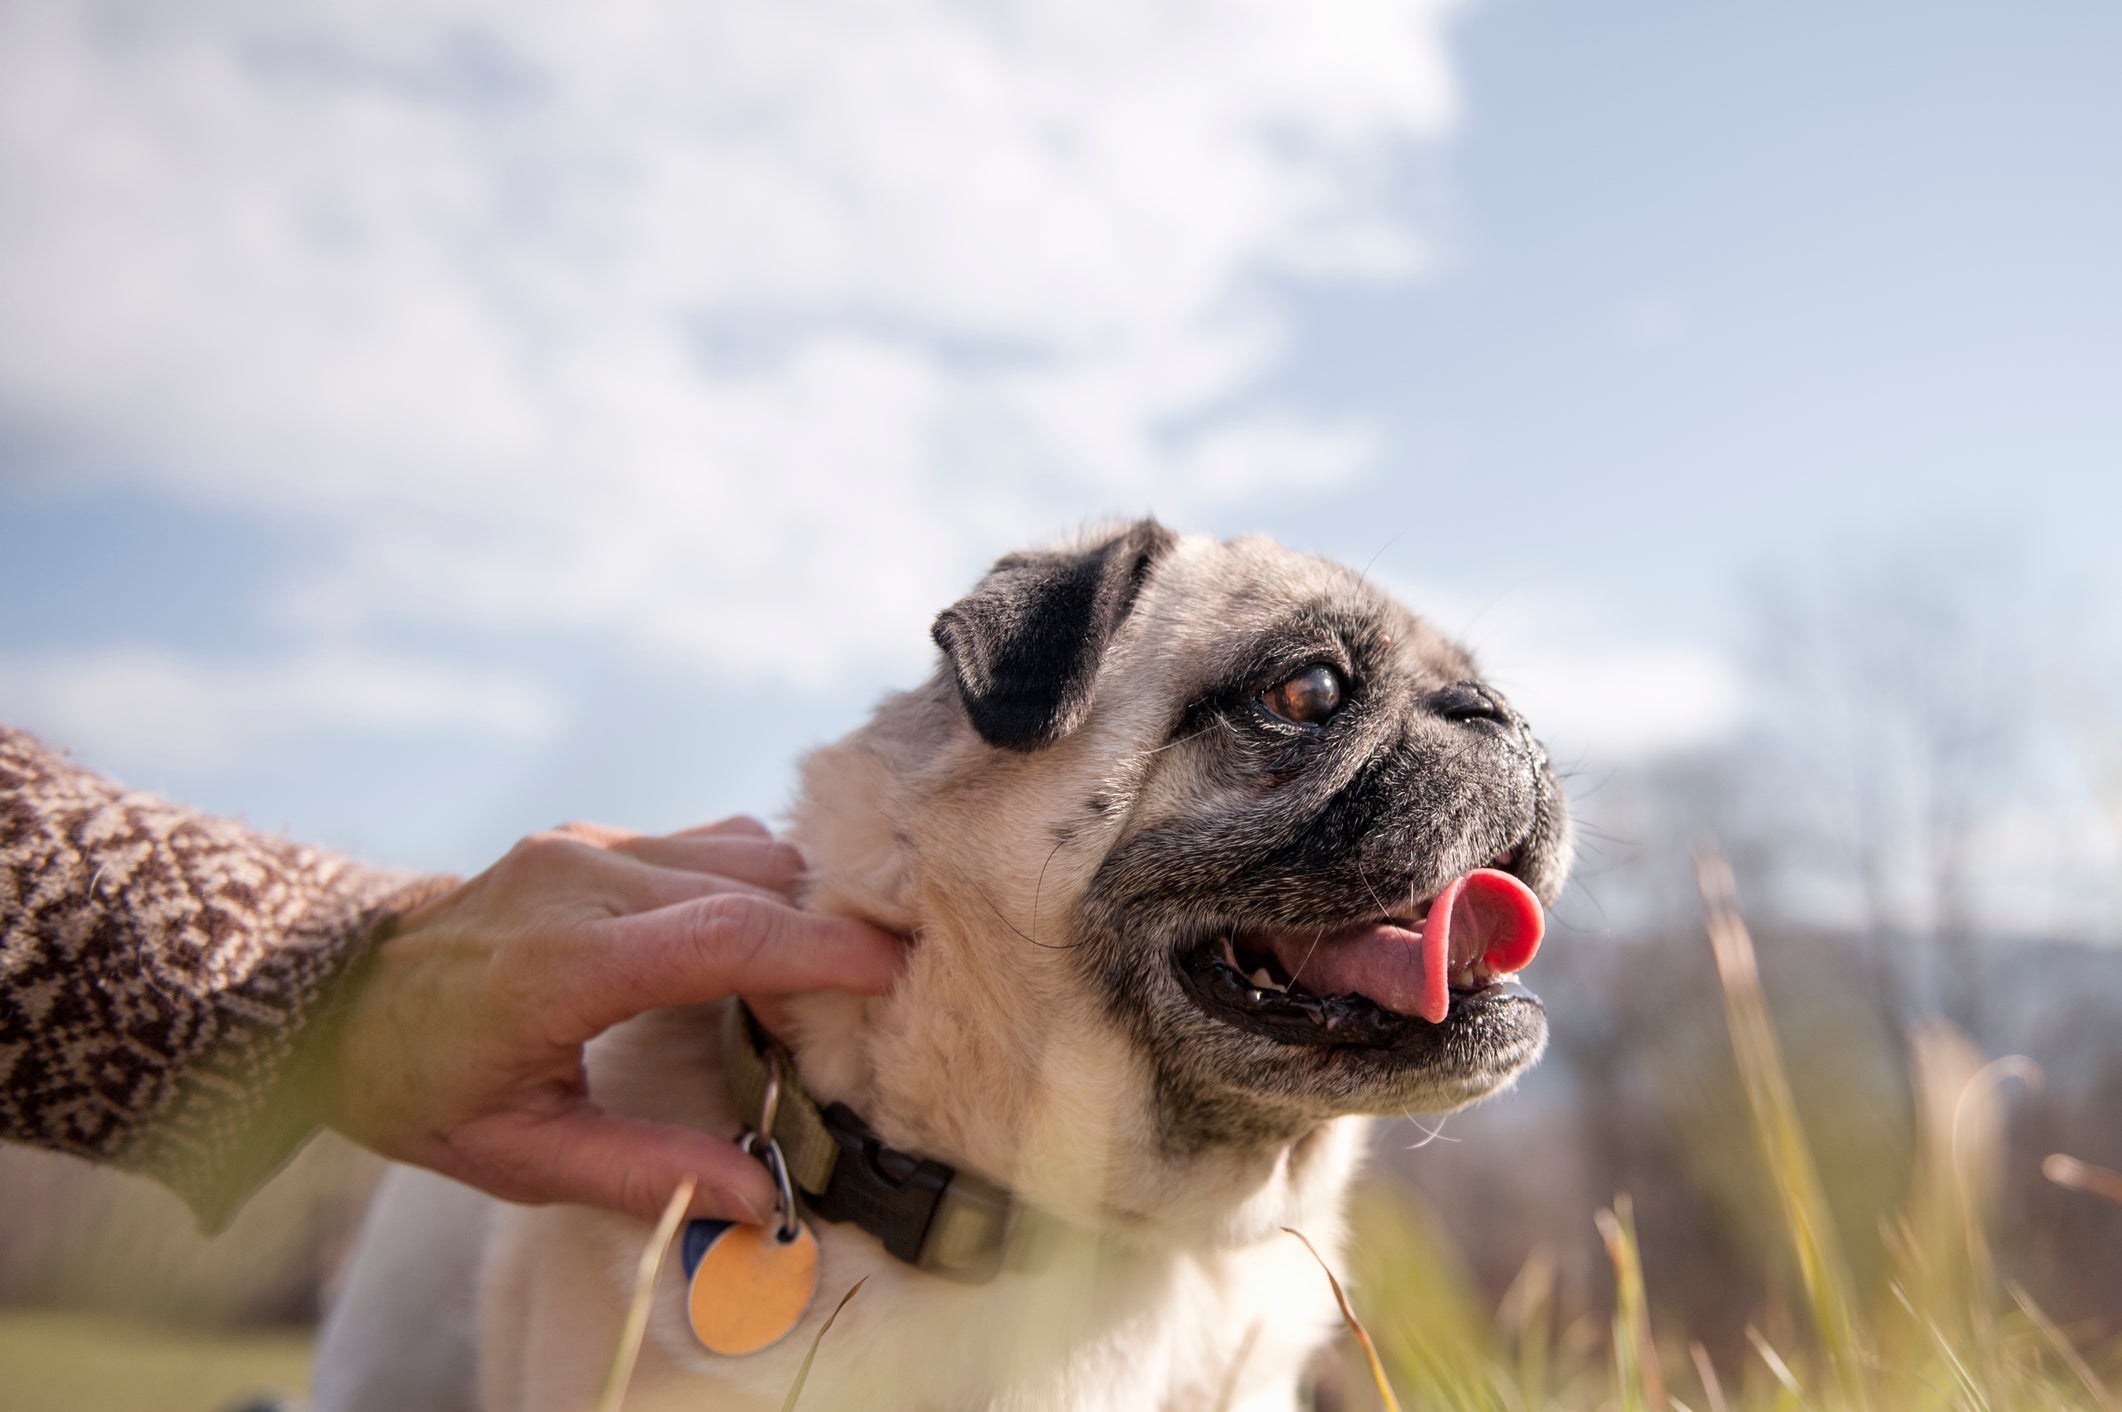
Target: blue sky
x=419, y=425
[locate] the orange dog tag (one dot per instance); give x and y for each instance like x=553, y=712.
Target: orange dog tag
x=748, y=1286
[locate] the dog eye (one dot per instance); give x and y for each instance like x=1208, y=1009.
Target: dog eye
x=1307, y=698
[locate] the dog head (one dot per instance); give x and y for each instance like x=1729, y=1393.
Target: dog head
x=1179, y=827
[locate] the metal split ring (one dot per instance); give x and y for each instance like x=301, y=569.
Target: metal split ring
x=759, y=1143
x=784, y=1193
x=770, y=1101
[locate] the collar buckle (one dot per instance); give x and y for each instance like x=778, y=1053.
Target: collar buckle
x=949, y=1223
x=941, y=1220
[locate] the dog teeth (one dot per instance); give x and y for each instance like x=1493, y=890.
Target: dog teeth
x=1230, y=956
x=1263, y=980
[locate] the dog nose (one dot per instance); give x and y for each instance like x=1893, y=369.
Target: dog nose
x=1471, y=701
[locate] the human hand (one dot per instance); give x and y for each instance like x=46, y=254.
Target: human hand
x=461, y=1049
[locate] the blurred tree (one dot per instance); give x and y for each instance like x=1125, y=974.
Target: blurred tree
x=1904, y=704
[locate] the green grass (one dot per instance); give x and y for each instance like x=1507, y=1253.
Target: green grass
x=1932, y=1327
x=53, y=1361
x=1939, y=1331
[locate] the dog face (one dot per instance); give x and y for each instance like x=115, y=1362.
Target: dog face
x=1173, y=830
x=1203, y=796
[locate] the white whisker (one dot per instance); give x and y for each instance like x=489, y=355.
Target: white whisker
x=1307, y=958
x=1160, y=749
x=1429, y=1135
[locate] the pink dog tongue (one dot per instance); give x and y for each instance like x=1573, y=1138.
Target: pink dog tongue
x=1486, y=920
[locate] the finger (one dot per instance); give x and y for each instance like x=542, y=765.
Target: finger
x=772, y=1011
x=716, y=946
x=592, y=1158
x=616, y=878
x=756, y=860
x=630, y=886
x=602, y=835
x=741, y=825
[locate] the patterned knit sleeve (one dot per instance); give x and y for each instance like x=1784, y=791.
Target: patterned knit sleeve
x=165, y=977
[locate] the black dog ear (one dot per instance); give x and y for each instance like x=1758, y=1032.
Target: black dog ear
x=1025, y=645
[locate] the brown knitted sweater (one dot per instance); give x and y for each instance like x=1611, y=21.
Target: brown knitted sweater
x=164, y=976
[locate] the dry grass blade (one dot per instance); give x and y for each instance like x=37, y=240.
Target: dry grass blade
x=1977, y=1109
x=1775, y=1362
x=1961, y=1374
x=621, y=1371
x=1943, y=1271
x=795, y=1390
x=2068, y=1171
x=1635, y=1353
x=1712, y=1388
x=2063, y=1347
x=1355, y=1325
x=1527, y=1313
x=1774, y=1110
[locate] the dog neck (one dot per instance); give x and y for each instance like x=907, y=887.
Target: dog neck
x=990, y=1054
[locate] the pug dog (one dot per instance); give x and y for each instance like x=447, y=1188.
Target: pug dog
x=1207, y=851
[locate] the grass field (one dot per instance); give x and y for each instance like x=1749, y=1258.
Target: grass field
x=1940, y=1331
x=53, y=1361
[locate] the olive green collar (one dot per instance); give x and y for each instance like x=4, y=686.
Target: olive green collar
x=927, y=1213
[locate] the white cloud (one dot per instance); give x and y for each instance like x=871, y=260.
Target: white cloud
x=1623, y=703
x=150, y=706
x=2047, y=869
x=740, y=334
